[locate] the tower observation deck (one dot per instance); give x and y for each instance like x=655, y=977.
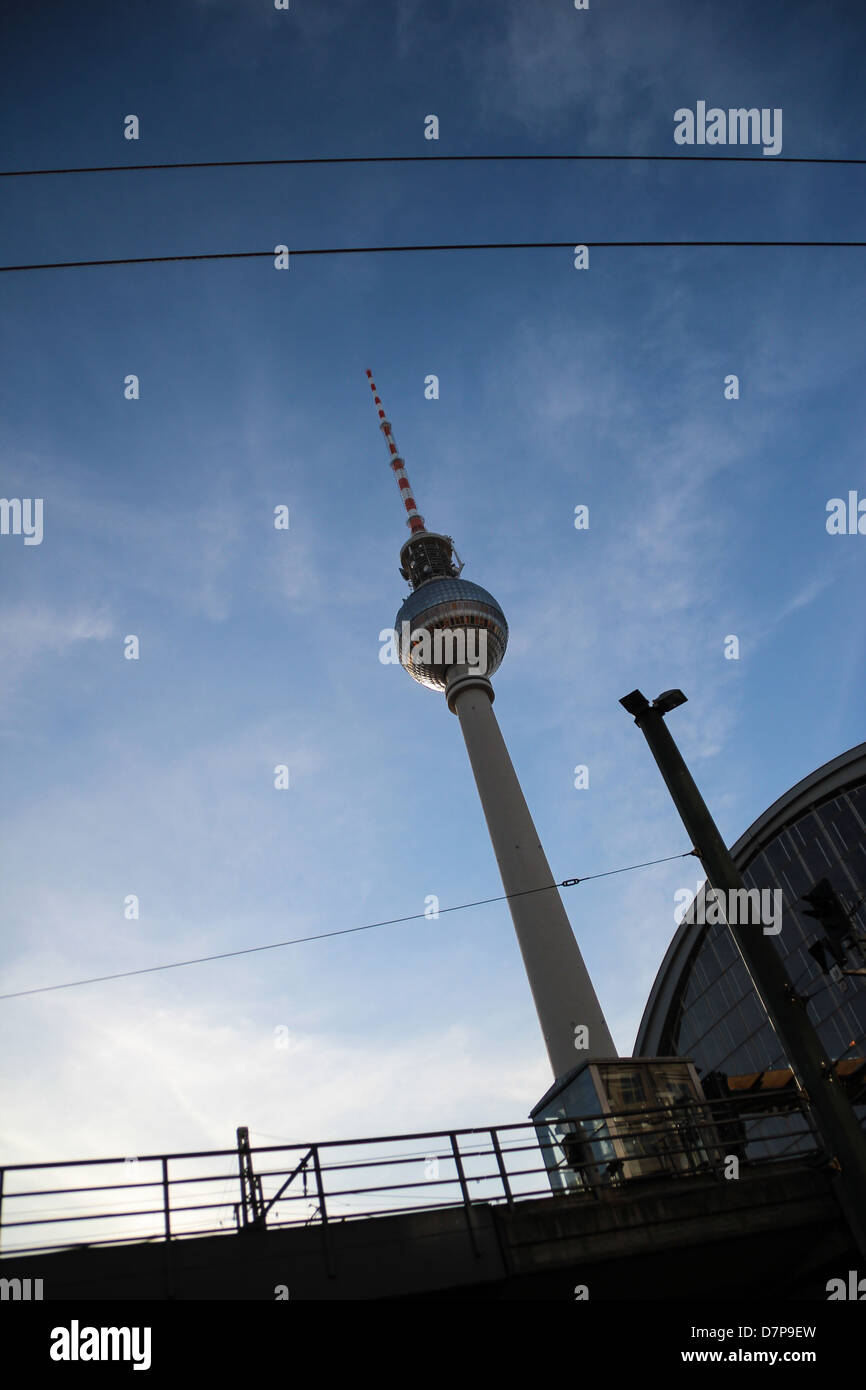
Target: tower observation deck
x=451, y=636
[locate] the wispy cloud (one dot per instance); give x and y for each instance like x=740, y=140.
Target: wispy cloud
x=33, y=631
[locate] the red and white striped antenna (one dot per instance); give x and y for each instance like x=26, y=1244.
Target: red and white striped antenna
x=414, y=519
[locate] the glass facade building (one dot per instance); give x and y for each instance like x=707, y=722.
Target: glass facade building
x=703, y=1005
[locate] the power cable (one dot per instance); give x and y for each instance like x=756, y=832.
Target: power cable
x=433, y=158
x=345, y=931
x=380, y=250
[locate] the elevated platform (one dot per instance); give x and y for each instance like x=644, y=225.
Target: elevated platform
x=776, y=1233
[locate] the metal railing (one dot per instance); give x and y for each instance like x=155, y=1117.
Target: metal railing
x=161, y=1197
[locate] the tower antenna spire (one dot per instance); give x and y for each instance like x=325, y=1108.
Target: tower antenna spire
x=414, y=519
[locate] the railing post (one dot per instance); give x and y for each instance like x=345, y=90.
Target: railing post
x=502, y=1173
x=323, y=1212
x=464, y=1188
x=166, y=1208
x=251, y=1186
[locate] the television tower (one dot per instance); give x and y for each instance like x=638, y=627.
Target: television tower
x=472, y=636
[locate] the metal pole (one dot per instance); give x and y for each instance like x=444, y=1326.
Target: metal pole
x=822, y=1091
x=243, y=1144
x=166, y=1201
x=251, y=1186
x=464, y=1188
x=323, y=1213
x=502, y=1170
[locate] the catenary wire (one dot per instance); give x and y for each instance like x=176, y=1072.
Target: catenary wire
x=344, y=931
x=381, y=250
x=433, y=158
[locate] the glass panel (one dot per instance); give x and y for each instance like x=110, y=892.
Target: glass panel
x=670, y=1083
x=625, y=1089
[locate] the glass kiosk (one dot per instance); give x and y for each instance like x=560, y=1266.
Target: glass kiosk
x=633, y=1117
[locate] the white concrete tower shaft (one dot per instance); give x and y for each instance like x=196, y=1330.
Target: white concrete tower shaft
x=565, y=999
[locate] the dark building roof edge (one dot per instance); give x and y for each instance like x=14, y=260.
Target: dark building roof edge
x=848, y=769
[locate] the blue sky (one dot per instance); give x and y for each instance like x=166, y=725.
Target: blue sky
x=258, y=647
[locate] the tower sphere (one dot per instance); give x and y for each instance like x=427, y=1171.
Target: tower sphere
x=450, y=606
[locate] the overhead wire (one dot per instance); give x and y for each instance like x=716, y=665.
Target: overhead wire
x=431, y=159
x=343, y=931
x=437, y=246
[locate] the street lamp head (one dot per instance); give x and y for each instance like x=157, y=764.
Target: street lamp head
x=668, y=700
x=635, y=703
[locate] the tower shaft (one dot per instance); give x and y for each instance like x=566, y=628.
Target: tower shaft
x=560, y=983
x=443, y=604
